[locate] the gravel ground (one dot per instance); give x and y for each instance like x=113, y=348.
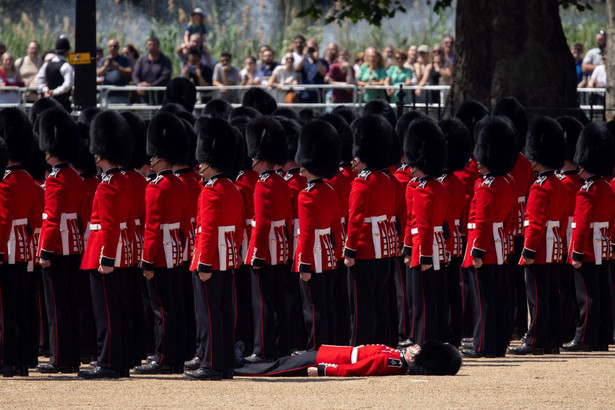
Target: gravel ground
x=568, y=380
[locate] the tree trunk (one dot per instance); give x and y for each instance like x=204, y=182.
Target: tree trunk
x=514, y=48
x=610, y=60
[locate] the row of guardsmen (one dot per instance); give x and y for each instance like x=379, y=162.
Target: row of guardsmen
x=180, y=237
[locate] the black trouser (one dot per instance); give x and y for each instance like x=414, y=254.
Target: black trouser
x=491, y=325
x=369, y=289
x=283, y=367
x=595, y=324
x=568, y=300
x=87, y=328
x=269, y=311
x=341, y=297
x=518, y=313
x=164, y=305
x=318, y=308
x=180, y=323
x=188, y=311
x=60, y=284
x=467, y=303
x=455, y=307
x=297, y=335
x=425, y=304
x=402, y=299
x=109, y=314
x=14, y=324
x=34, y=304
x=142, y=317
x=393, y=315
x=243, y=301
x=202, y=329
x=544, y=306
x=216, y=312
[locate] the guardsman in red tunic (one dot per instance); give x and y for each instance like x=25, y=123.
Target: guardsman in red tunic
x=543, y=248
x=108, y=256
x=425, y=150
x=165, y=199
x=522, y=177
x=268, y=249
x=18, y=196
x=61, y=244
x=491, y=214
x=590, y=248
x=216, y=253
x=433, y=358
x=459, y=147
x=569, y=175
x=341, y=183
x=140, y=313
x=368, y=245
x=315, y=259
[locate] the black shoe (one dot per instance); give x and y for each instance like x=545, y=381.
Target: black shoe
x=240, y=348
x=21, y=371
x=552, y=350
x=99, y=373
x=575, y=346
x=153, y=368
x=7, y=371
x=254, y=358
x=178, y=369
x=525, y=349
x=297, y=352
x=467, y=340
x=33, y=363
x=44, y=353
x=203, y=374
x=193, y=363
x=469, y=345
x=124, y=373
x=473, y=354
x=227, y=374
x=94, y=363
x=600, y=348
x=49, y=368
x=150, y=359
x=402, y=344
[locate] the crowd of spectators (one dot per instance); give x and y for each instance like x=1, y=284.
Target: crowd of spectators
x=302, y=64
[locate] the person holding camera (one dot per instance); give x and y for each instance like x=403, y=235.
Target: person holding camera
x=200, y=75
x=313, y=70
x=116, y=70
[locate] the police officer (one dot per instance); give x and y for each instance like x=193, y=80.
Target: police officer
x=55, y=78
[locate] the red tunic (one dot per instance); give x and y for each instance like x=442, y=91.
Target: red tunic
x=319, y=226
x=60, y=233
x=572, y=182
x=192, y=180
x=245, y=182
x=341, y=183
x=397, y=214
x=296, y=183
x=468, y=177
x=85, y=210
x=593, y=221
x=110, y=242
x=546, y=219
x=456, y=213
x=403, y=174
x=491, y=215
x=36, y=221
x=137, y=213
x=429, y=211
x=410, y=188
x=18, y=196
x=220, y=230
x=165, y=199
x=368, y=360
x=523, y=177
x=368, y=219
x=269, y=239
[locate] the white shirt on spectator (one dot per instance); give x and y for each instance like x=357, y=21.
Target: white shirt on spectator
x=599, y=75
x=67, y=73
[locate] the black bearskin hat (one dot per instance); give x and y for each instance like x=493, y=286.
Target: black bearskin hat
x=495, y=144
x=458, y=143
x=595, y=149
x=41, y=105
x=381, y=107
x=344, y=133
x=180, y=90
x=287, y=112
x=167, y=138
x=348, y=113
x=244, y=112
x=545, y=143
x=404, y=121
x=36, y=165
x=572, y=129
x=307, y=115
x=4, y=157
x=216, y=144
x=470, y=112
x=319, y=149
x=240, y=124
x=292, y=129
x=240, y=153
x=110, y=138
x=259, y=99
x=436, y=359
x=372, y=137
x=424, y=147
x=267, y=140
x=58, y=134
x=85, y=161
x=191, y=133
x=217, y=108
x=86, y=116
x=511, y=108
x=179, y=111
x=138, y=132
x=16, y=129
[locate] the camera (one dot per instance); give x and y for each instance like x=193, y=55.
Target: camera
x=192, y=68
x=311, y=50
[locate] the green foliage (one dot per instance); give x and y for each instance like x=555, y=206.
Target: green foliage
x=355, y=10
x=582, y=27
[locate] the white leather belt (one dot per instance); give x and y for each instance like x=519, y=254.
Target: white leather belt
x=98, y=227
x=171, y=226
x=415, y=231
x=471, y=225
x=520, y=199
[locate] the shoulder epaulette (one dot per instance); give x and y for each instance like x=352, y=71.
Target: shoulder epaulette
x=239, y=175
x=106, y=178
x=540, y=180
x=488, y=181
x=441, y=178
x=422, y=184
x=211, y=182
x=560, y=175
x=288, y=176
x=157, y=179
x=264, y=177
x=309, y=186
x=587, y=185
x=7, y=172
x=54, y=172
x=403, y=167
x=364, y=174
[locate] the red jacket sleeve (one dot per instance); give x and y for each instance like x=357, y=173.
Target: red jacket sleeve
x=536, y=217
x=107, y=196
x=50, y=231
x=484, y=199
x=6, y=219
x=357, y=213
x=209, y=209
x=582, y=219
x=307, y=225
x=422, y=209
x=152, y=234
x=262, y=219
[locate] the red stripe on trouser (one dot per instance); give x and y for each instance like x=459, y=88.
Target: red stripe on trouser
x=163, y=324
x=104, y=283
x=480, y=310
